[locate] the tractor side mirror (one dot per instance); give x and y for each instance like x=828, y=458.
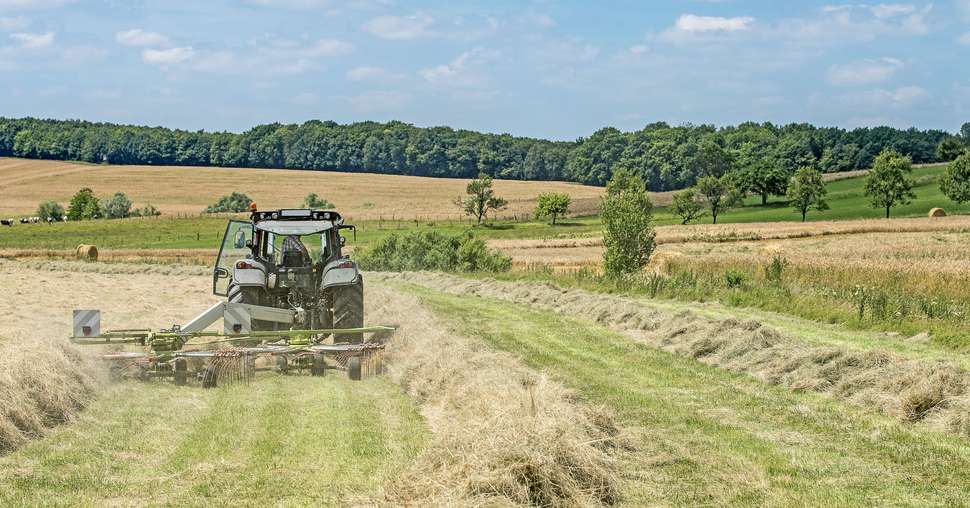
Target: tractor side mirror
x=221, y=273
x=343, y=241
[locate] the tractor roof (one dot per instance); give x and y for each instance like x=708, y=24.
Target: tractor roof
x=296, y=221
x=294, y=227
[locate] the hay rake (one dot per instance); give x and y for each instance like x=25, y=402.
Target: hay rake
x=235, y=354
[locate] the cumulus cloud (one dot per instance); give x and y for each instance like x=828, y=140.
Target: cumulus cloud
x=463, y=71
x=693, y=23
x=400, y=27
x=169, y=56
x=33, y=41
x=139, y=37
x=327, y=47
x=864, y=71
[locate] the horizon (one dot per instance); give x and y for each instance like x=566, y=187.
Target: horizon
x=540, y=69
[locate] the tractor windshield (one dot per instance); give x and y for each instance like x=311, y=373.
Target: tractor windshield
x=294, y=251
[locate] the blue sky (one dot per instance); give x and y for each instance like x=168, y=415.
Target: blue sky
x=543, y=68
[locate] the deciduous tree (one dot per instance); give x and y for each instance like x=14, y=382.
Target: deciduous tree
x=887, y=184
x=553, y=205
x=955, y=183
x=688, y=206
x=628, y=224
x=807, y=191
x=481, y=198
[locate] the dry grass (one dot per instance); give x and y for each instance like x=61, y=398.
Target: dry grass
x=929, y=391
x=188, y=190
x=43, y=379
x=201, y=257
x=502, y=434
x=588, y=251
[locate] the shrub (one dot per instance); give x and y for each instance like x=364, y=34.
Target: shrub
x=431, y=250
x=147, y=211
x=314, y=201
x=774, y=269
x=118, y=207
x=51, y=209
x=235, y=203
x=734, y=278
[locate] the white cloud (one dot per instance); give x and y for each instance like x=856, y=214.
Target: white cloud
x=365, y=73
x=31, y=4
x=139, y=37
x=33, y=41
x=12, y=23
x=327, y=47
x=463, y=71
x=864, y=71
x=883, y=11
x=694, y=24
x=901, y=97
x=167, y=56
x=400, y=27
x=379, y=101
x=964, y=38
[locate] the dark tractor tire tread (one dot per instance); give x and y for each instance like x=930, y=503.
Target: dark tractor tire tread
x=181, y=372
x=318, y=366
x=348, y=312
x=353, y=368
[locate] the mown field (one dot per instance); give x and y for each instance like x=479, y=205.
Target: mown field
x=184, y=191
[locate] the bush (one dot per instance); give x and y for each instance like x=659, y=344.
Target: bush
x=316, y=202
x=147, y=211
x=51, y=209
x=84, y=205
x=734, y=278
x=430, y=250
x=774, y=269
x=628, y=233
x=118, y=207
x=234, y=203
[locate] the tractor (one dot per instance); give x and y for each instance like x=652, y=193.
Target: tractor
x=292, y=259
x=292, y=296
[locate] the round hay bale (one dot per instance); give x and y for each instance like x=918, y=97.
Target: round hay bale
x=937, y=212
x=87, y=252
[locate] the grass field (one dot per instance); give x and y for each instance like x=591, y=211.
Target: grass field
x=704, y=436
x=292, y=441
x=188, y=190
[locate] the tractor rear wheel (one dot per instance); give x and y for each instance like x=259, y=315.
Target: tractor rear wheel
x=348, y=311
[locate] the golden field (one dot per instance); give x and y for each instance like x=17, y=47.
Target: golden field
x=188, y=190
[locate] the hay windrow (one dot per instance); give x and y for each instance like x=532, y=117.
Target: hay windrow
x=935, y=393
x=41, y=386
x=503, y=434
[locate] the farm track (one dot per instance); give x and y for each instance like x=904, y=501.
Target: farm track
x=904, y=384
x=703, y=436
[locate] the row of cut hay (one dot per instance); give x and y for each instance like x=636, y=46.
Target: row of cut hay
x=41, y=385
x=51, y=265
x=202, y=257
x=502, y=434
x=929, y=391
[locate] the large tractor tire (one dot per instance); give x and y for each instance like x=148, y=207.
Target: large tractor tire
x=252, y=296
x=348, y=311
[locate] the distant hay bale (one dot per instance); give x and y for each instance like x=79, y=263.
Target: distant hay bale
x=87, y=252
x=937, y=212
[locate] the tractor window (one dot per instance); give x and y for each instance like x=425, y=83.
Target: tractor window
x=238, y=234
x=313, y=247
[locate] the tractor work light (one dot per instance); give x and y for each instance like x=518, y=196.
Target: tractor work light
x=244, y=265
x=296, y=213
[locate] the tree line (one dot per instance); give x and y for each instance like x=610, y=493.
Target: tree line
x=665, y=157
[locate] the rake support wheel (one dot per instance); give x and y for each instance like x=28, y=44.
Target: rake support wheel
x=181, y=372
x=317, y=366
x=353, y=368
x=210, y=376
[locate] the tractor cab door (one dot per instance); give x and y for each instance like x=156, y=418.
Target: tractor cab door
x=236, y=245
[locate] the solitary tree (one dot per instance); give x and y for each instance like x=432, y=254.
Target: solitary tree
x=50, y=210
x=806, y=191
x=481, y=198
x=627, y=220
x=718, y=193
x=955, y=183
x=314, y=201
x=763, y=177
x=552, y=204
x=688, y=206
x=118, y=207
x=887, y=184
x=84, y=205
x=951, y=148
